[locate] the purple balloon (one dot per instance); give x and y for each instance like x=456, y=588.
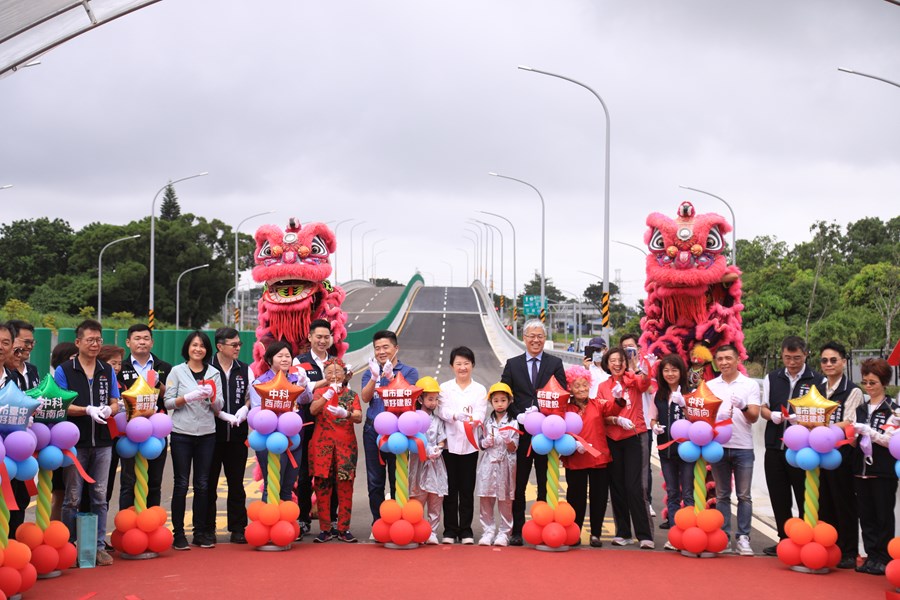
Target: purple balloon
x=894, y=446
x=385, y=423
x=701, y=433
x=533, y=422
x=20, y=445
x=121, y=420
x=251, y=416
x=574, y=424
x=32, y=434
x=424, y=421
x=837, y=433
x=821, y=439
x=162, y=424
x=679, y=429
x=723, y=434
x=554, y=427
x=265, y=422
x=42, y=433
x=64, y=434
x=796, y=437
x=408, y=423
x=139, y=429
x=289, y=423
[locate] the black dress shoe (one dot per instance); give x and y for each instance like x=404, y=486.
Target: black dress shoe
x=771, y=550
x=237, y=537
x=664, y=525
x=876, y=568
x=847, y=562
x=863, y=568
x=515, y=540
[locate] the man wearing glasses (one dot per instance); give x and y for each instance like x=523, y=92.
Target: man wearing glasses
x=23, y=344
x=779, y=386
x=98, y=399
x=837, y=500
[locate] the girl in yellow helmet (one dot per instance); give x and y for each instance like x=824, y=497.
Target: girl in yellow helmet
x=428, y=480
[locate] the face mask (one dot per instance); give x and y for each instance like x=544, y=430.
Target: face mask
x=597, y=357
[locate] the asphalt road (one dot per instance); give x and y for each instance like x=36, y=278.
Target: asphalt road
x=365, y=306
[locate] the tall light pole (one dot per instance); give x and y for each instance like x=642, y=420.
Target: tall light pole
x=238, y=315
x=5, y=187
x=178, y=293
x=466, y=252
x=372, y=254
x=500, y=233
x=375, y=261
x=334, y=258
x=543, y=233
x=449, y=264
x=515, y=289
x=474, y=256
x=352, y=227
x=733, y=221
x=638, y=248
x=604, y=312
x=151, y=316
x=894, y=83
x=100, y=273
x=479, y=236
x=489, y=232
x=225, y=313
x=362, y=252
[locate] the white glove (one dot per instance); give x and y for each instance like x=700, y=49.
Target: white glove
x=860, y=428
x=329, y=393
x=624, y=423
x=651, y=360
x=464, y=417
x=434, y=451
x=338, y=411
x=617, y=390
x=579, y=447
x=374, y=369
x=336, y=387
x=776, y=417
x=894, y=421
x=241, y=414
x=95, y=413
x=521, y=416
x=487, y=442
x=196, y=395
x=388, y=370
x=793, y=418
x=677, y=397
x=105, y=411
x=738, y=403
x=302, y=379
x=658, y=429
x=228, y=418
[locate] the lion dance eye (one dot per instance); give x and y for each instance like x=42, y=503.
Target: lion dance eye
x=317, y=247
x=265, y=251
x=657, y=244
x=714, y=240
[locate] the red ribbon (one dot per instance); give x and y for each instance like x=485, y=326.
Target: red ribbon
x=420, y=445
x=670, y=442
x=113, y=428
x=511, y=428
x=31, y=487
x=8, y=493
x=587, y=447
x=292, y=459
x=469, y=426
x=78, y=466
x=381, y=442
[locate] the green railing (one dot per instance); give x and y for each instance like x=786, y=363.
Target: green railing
x=362, y=337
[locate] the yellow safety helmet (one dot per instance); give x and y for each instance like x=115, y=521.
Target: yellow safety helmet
x=428, y=384
x=500, y=387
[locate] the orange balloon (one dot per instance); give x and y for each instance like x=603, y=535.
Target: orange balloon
x=813, y=555
x=413, y=511
x=289, y=511
x=892, y=572
x=710, y=519
x=532, y=532
x=56, y=534
x=381, y=530
x=253, y=510
x=685, y=518
x=695, y=540
x=541, y=513
x=30, y=534
x=564, y=514
x=573, y=534
x=789, y=524
x=29, y=577
x=134, y=541
x=825, y=534
x=554, y=535
x=147, y=521
x=390, y=511
x=10, y=581
x=256, y=533
x=894, y=548
x=161, y=516
x=402, y=532
x=801, y=533
x=17, y=555
x=282, y=533
x=44, y=558
x=788, y=552
x=421, y=531
x=159, y=540
x=67, y=556
x=718, y=540
x=125, y=520
x=269, y=514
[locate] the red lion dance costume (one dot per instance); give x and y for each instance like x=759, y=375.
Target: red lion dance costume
x=694, y=297
x=294, y=267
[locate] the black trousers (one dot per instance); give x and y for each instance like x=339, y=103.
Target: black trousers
x=782, y=479
x=523, y=473
x=837, y=506
x=232, y=457
x=875, y=502
x=459, y=503
x=627, y=488
x=23, y=499
x=155, y=470
x=578, y=481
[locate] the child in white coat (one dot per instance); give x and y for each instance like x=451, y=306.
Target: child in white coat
x=428, y=479
x=496, y=475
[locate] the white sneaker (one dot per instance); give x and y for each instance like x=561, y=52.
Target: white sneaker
x=448, y=540
x=468, y=541
x=432, y=540
x=743, y=546
x=372, y=537
x=501, y=541
x=647, y=545
x=619, y=541
x=669, y=546
x=652, y=512
x=484, y=541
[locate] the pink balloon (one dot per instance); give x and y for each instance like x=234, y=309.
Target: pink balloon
x=121, y=420
x=385, y=423
x=723, y=434
x=139, y=429
x=821, y=439
x=554, y=427
x=574, y=424
x=42, y=433
x=162, y=425
x=701, y=433
x=20, y=445
x=289, y=423
x=64, y=434
x=265, y=422
x=424, y=421
x=408, y=423
x=251, y=416
x=533, y=422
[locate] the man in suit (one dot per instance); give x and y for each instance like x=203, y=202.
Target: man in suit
x=526, y=374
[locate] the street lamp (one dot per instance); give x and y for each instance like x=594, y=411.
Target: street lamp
x=638, y=248
x=178, y=293
x=489, y=233
x=239, y=316
x=733, y=221
x=334, y=258
x=500, y=233
x=352, y=227
x=449, y=264
x=225, y=313
x=466, y=252
x=5, y=187
x=151, y=317
x=362, y=252
x=605, y=308
x=100, y=272
x=482, y=252
x=375, y=262
x=894, y=83
x=514, y=296
x=543, y=232
x=474, y=257
x=372, y=254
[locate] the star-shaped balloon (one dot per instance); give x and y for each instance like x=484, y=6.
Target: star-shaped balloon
x=552, y=398
x=399, y=395
x=813, y=409
x=15, y=408
x=140, y=399
x=278, y=394
x=702, y=405
x=54, y=401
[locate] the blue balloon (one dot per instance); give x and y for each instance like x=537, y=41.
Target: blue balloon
x=151, y=448
x=126, y=448
x=897, y=468
x=277, y=442
x=541, y=444
x=11, y=467
x=397, y=443
x=807, y=459
x=412, y=445
x=294, y=441
x=27, y=469
x=689, y=451
x=712, y=452
x=257, y=441
x=566, y=445
x=50, y=458
x=831, y=460
x=791, y=457
x=67, y=460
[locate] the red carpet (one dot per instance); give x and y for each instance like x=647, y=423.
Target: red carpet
x=337, y=570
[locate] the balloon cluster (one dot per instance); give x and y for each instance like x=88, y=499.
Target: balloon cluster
x=811, y=547
x=17, y=573
x=700, y=439
x=710, y=493
x=892, y=571
x=272, y=522
x=809, y=449
x=401, y=525
x=399, y=434
x=698, y=532
x=139, y=532
x=553, y=432
x=50, y=548
x=551, y=527
x=50, y=442
x=273, y=431
x=144, y=435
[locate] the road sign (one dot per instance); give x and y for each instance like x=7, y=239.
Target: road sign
x=531, y=306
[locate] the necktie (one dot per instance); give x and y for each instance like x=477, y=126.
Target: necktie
x=534, y=372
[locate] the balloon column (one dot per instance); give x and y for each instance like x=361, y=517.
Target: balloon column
x=275, y=429
x=892, y=572
x=141, y=531
x=402, y=429
x=812, y=444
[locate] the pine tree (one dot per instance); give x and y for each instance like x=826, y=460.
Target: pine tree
x=170, y=209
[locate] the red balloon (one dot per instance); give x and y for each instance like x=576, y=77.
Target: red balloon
x=892, y=572
x=134, y=541
x=676, y=535
x=381, y=531
x=554, y=534
x=296, y=527
x=694, y=539
x=788, y=552
x=10, y=581
x=67, y=556
x=813, y=555
x=29, y=577
x=44, y=558
x=159, y=540
x=282, y=533
x=256, y=533
x=573, y=534
x=402, y=532
x=718, y=541
x=115, y=539
x=834, y=555
x=422, y=531
x=531, y=532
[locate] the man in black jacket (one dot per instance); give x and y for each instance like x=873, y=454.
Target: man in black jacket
x=14, y=335
x=526, y=374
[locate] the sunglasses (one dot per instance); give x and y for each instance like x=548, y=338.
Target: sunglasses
x=830, y=360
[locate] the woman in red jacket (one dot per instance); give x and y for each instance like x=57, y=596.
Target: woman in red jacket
x=588, y=465
x=626, y=487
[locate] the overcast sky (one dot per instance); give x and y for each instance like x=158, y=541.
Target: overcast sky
x=395, y=112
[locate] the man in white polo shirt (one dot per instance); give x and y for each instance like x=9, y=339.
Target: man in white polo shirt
x=740, y=402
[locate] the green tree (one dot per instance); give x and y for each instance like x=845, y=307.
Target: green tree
x=761, y=251
x=33, y=251
x=533, y=288
x=170, y=209
x=877, y=286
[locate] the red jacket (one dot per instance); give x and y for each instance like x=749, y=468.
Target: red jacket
x=635, y=386
x=593, y=432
